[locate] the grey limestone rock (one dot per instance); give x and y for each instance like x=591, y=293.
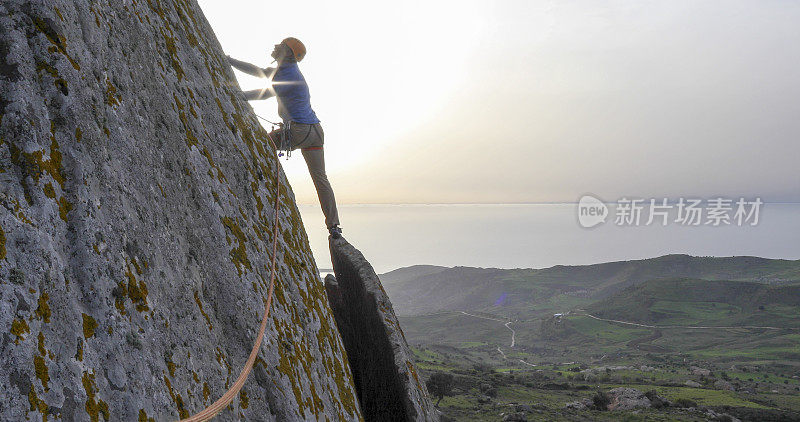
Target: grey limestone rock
x=136, y=192
x=388, y=384
x=515, y=417
x=723, y=385
x=624, y=398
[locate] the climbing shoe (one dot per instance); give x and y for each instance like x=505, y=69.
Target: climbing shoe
x=335, y=231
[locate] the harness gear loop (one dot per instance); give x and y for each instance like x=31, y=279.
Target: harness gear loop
x=283, y=137
x=286, y=138
x=229, y=395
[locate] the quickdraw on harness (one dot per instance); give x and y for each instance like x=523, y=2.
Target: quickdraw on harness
x=284, y=136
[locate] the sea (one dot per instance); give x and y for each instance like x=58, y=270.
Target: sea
x=543, y=235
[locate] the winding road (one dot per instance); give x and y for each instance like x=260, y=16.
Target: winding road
x=691, y=327
x=506, y=324
x=513, y=333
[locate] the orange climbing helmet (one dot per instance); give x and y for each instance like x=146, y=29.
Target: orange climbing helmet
x=296, y=46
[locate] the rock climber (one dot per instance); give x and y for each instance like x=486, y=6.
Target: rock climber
x=294, y=107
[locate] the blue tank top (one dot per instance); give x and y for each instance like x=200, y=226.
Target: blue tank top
x=294, y=99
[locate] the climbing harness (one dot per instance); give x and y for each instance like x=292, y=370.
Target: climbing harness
x=226, y=398
x=285, y=135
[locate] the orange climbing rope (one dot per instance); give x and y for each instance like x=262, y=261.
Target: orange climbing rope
x=223, y=402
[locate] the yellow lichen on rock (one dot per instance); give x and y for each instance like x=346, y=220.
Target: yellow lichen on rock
x=203, y=312
x=19, y=327
x=239, y=253
x=2, y=244
x=94, y=407
x=43, y=310
x=89, y=325
x=41, y=371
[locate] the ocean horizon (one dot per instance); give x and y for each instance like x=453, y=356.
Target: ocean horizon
x=538, y=235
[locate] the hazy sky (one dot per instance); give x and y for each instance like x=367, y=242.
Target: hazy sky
x=527, y=101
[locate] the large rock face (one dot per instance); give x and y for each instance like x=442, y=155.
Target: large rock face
x=389, y=387
x=136, y=189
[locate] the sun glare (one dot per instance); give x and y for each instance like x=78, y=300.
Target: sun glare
x=371, y=80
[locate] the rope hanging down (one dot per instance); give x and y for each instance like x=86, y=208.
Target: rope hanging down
x=226, y=398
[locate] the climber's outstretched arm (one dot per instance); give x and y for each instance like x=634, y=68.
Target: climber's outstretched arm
x=250, y=69
x=258, y=94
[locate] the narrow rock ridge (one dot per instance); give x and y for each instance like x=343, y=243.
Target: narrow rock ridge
x=389, y=387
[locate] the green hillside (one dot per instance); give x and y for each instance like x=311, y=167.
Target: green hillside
x=732, y=321
x=523, y=293
x=672, y=325
x=703, y=302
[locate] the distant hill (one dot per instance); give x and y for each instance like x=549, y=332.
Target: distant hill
x=703, y=302
x=407, y=273
x=526, y=293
